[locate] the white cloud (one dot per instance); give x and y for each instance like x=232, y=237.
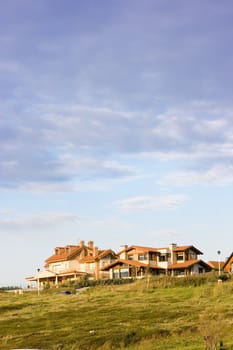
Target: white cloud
x=62, y=144
x=34, y=222
x=145, y=203
x=216, y=175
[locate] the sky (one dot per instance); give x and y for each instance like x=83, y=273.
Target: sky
x=116, y=125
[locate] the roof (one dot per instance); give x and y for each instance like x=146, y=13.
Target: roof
x=228, y=260
x=70, y=251
x=134, y=263
x=101, y=254
x=187, y=264
x=152, y=249
x=215, y=264
x=123, y=261
x=139, y=248
x=186, y=247
x=87, y=259
x=49, y=274
x=41, y=275
x=105, y=252
x=65, y=253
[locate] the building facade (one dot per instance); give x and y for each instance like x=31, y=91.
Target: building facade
x=72, y=262
x=137, y=261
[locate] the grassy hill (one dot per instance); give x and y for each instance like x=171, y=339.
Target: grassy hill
x=155, y=313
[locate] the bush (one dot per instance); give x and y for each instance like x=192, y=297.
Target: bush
x=104, y=282
x=223, y=277
x=172, y=282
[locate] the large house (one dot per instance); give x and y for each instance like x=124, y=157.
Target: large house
x=72, y=262
x=137, y=261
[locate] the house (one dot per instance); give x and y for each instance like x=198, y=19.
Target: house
x=216, y=265
x=72, y=262
x=137, y=261
x=228, y=265
x=189, y=267
x=185, y=261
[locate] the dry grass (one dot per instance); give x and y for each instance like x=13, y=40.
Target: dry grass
x=136, y=316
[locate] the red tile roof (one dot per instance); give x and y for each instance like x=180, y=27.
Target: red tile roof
x=103, y=253
x=139, y=249
x=134, y=263
x=64, y=253
x=186, y=247
x=87, y=259
x=215, y=264
x=187, y=264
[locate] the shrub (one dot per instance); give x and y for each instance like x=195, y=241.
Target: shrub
x=101, y=282
x=172, y=282
x=223, y=277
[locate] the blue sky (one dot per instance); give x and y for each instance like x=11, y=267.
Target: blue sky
x=116, y=125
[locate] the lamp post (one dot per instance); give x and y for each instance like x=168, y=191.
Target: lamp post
x=38, y=282
x=219, y=270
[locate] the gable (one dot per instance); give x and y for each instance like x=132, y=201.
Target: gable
x=189, y=248
x=188, y=264
x=227, y=267
x=67, y=253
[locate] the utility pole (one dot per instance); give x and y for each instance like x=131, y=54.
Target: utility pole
x=38, y=282
x=219, y=267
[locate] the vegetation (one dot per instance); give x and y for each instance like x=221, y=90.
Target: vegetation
x=154, y=313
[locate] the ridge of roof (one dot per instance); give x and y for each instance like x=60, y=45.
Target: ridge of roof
x=186, y=247
x=138, y=247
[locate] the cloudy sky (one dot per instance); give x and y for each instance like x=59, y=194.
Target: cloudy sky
x=116, y=125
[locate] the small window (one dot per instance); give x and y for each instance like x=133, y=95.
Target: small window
x=141, y=257
x=115, y=274
x=124, y=273
x=164, y=257
x=179, y=257
x=180, y=272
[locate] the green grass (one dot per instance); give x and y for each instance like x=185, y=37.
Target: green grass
x=144, y=315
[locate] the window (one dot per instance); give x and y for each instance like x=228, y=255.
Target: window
x=141, y=257
x=164, y=257
x=180, y=272
x=115, y=273
x=179, y=257
x=152, y=256
x=130, y=257
x=124, y=273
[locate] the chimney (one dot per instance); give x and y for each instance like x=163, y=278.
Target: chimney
x=96, y=251
x=58, y=250
x=171, y=248
x=81, y=243
x=123, y=247
x=91, y=244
